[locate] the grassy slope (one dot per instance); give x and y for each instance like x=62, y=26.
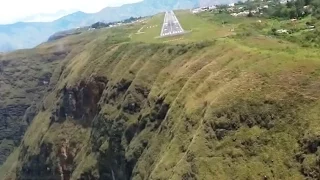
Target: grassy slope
x=222, y=90
x=22, y=77
x=23, y=70
x=240, y=108
x=150, y=29
x=200, y=28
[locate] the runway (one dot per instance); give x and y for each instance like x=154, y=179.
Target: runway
x=171, y=25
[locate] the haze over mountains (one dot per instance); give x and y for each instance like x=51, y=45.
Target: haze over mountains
x=46, y=17
x=29, y=34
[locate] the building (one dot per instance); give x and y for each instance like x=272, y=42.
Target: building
x=282, y=31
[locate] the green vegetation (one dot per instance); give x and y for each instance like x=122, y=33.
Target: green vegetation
x=279, y=8
x=295, y=21
x=297, y=9
x=197, y=28
x=27, y=35
x=149, y=30
x=233, y=99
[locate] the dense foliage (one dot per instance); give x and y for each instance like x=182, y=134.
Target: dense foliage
x=285, y=9
x=297, y=9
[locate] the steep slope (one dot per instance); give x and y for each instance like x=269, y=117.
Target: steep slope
x=229, y=108
x=25, y=77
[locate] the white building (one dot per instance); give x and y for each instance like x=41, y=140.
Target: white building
x=195, y=11
x=282, y=31
x=244, y=13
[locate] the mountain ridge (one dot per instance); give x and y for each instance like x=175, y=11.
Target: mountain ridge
x=113, y=104
x=22, y=35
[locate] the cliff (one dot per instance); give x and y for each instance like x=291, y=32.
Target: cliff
x=216, y=109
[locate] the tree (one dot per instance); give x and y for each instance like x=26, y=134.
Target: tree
x=315, y=4
x=316, y=13
x=250, y=5
x=284, y=12
x=290, y=4
x=293, y=13
x=277, y=12
x=299, y=4
x=307, y=2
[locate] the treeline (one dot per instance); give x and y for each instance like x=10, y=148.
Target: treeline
x=296, y=9
x=99, y=25
x=283, y=9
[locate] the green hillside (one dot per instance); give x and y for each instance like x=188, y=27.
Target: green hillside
x=22, y=35
x=224, y=101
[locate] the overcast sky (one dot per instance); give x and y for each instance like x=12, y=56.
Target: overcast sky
x=17, y=10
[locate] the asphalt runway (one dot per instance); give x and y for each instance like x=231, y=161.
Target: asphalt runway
x=171, y=25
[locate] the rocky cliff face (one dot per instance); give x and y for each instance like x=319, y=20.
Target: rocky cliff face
x=111, y=111
x=80, y=102
x=124, y=110
x=22, y=86
x=12, y=127
x=26, y=76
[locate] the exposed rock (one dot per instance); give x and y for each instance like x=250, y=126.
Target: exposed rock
x=40, y=165
x=25, y=77
x=12, y=128
x=155, y=123
x=81, y=102
x=228, y=120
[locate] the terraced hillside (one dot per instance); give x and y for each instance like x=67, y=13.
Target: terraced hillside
x=224, y=107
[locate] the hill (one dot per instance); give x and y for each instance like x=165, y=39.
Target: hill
x=25, y=78
x=221, y=102
x=27, y=35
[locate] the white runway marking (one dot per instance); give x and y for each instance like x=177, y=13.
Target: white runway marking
x=171, y=25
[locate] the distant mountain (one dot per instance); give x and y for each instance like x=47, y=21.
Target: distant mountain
x=29, y=34
x=47, y=17
x=144, y=8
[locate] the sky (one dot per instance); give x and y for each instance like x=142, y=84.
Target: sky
x=47, y=10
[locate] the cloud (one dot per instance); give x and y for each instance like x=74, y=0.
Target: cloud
x=18, y=10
